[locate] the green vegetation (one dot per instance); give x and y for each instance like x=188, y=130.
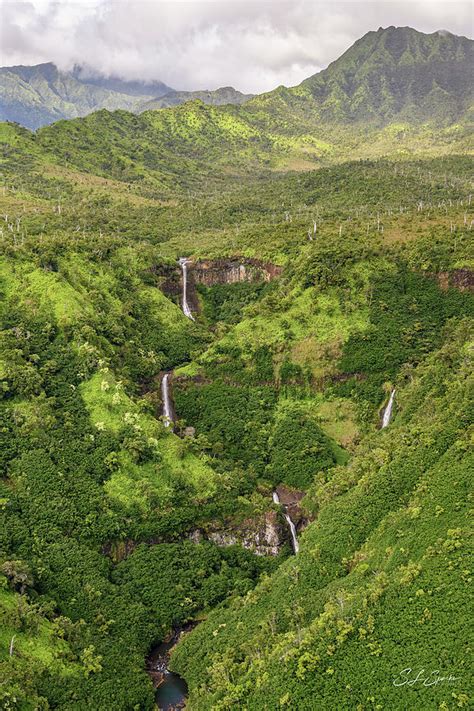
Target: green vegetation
x=379, y=582
x=38, y=95
x=224, y=95
x=278, y=382
x=299, y=449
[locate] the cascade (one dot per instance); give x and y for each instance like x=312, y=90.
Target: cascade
x=166, y=400
x=387, y=413
x=291, y=525
x=184, y=268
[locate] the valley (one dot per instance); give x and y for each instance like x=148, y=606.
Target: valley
x=236, y=378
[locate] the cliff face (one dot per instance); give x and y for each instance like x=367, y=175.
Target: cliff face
x=462, y=279
x=231, y=271
x=213, y=271
x=264, y=534
x=291, y=501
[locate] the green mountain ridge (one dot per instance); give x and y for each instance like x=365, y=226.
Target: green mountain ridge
x=374, y=101
x=40, y=95
x=397, y=74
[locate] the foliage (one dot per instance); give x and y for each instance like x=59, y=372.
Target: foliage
x=299, y=449
x=282, y=382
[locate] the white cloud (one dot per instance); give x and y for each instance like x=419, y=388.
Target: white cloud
x=191, y=44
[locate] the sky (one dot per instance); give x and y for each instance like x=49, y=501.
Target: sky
x=251, y=45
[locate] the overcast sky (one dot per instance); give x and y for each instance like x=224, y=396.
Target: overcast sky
x=252, y=45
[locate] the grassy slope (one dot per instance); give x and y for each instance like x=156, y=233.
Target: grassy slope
x=65, y=296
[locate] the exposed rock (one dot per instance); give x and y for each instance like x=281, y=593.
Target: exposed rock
x=169, y=279
x=119, y=550
x=196, y=536
x=231, y=271
x=210, y=272
x=291, y=500
x=462, y=279
x=264, y=535
x=189, y=432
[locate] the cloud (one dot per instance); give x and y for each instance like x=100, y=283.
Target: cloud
x=253, y=46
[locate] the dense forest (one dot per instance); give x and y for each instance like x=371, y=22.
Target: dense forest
x=355, y=287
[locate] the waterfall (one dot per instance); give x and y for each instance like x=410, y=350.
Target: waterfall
x=184, y=268
x=387, y=413
x=166, y=400
x=291, y=525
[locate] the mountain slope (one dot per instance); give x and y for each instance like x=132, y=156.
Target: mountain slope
x=394, y=74
x=88, y=469
x=224, y=95
x=39, y=95
x=395, y=92
x=379, y=584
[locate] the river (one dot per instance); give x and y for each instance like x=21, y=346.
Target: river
x=171, y=689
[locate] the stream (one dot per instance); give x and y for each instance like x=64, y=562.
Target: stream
x=166, y=400
x=171, y=689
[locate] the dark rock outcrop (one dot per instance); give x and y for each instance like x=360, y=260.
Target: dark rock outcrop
x=231, y=271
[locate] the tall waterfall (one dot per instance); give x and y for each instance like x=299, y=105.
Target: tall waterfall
x=291, y=525
x=184, y=268
x=166, y=400
x=387, y=413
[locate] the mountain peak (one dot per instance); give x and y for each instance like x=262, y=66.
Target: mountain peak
x=396, y=72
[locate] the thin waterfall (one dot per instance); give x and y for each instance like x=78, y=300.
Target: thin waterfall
x=387, y=413
x=291, y=525
x=184, y=261
x=166, y=400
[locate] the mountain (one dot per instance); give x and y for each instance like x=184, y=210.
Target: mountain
x=393, y=74
x=395, y=92
x=42, y=94
x=224, y=95
x=321, y=390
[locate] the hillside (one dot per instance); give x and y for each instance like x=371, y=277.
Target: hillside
x=290, y=129
x=393, y=75
x=379, y=583
x=252, y=499
x=39, y=95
